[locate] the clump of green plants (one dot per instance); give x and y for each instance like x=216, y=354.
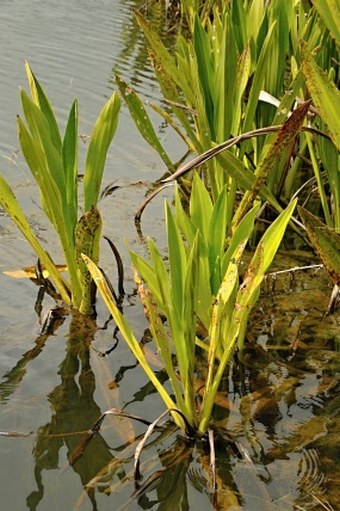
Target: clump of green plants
x=231, y=89
x=240, y=83
x=199, y=294
x=240, y=70
x=53, y=162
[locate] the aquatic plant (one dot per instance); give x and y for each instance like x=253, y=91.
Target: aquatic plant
x=199, y=293
x=53, y=162
x=230, y=91
x=240, y=70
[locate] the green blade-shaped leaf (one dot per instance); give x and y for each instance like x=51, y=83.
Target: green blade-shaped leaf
x=325, y=94
x=186, y=350
x=165, y=57
x=273, y=236
x=70, y=163
x=215, y=339
x=240, y=237
x=170, y=92
x=51, y=198
x=101, y=138
x=245, y=300
x=36, y=160
x=200, y=207
x=217, y=239
x=150, y=275
x=162, y=279
x=258, y=80
x=41, y=134
x=326, y=242
x=160, y=336
x=261, y=260
x=243, y=71
x=177, y=260
x=40, y=98
x=142, y=120
x=205, y=71
x=10, y=204
x=183, y=221
x=329, y=10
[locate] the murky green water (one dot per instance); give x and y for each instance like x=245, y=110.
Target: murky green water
x=281, y=404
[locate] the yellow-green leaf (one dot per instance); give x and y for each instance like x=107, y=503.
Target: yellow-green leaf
x=101, y=138
x=325, y=94
x=329, y=10
x=10, y=204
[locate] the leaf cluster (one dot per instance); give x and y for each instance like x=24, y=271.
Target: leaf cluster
x=53, y=162
x=195, y=300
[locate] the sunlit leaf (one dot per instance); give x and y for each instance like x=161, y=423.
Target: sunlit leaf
x=10, y=204
x=40, y=98
x=128, y=335
x=70, y=164
x=325, y=94
x=101, y=138
x=29, y=272
x=329, y=11
x=142, y=120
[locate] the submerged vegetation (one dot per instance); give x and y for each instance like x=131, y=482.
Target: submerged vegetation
x=251, y=88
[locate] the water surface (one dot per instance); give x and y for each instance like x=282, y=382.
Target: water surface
x=281, y=404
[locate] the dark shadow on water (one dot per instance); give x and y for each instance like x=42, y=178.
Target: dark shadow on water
x=13, y=378
x=73, y=411
x=280, y=405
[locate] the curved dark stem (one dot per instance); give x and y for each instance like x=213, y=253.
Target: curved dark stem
x=120, y=266
x=148, y=199
x=109, y=283
x=119, y=301
x=44, y=282
x=107, y=352
x=214, y=151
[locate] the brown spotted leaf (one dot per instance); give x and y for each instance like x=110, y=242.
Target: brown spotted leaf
x=284, y=138
x=325, y=241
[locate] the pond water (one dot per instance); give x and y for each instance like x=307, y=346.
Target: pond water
x=281, y=404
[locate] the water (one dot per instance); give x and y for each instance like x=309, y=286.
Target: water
x=281, y=404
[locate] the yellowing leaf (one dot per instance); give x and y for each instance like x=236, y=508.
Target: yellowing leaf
x=29, y=272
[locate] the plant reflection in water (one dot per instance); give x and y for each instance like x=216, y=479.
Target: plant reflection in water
x=281, y=403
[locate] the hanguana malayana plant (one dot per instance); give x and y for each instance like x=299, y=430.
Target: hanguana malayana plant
x=53, y=161
x=240, y=70
x=232, y=84
x=199, y=293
